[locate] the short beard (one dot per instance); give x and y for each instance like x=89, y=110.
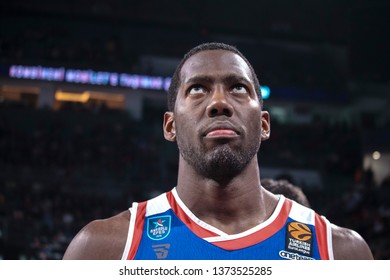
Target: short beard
x=221, y=164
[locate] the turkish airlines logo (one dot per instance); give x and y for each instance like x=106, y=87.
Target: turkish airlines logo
x=299, y=238
x=299, y=231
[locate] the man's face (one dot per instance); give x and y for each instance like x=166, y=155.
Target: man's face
x=217, y=120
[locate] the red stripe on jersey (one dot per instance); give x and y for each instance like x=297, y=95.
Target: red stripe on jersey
x=322, y=234
x=138, y=229
x=260, y=235
x=193, y=226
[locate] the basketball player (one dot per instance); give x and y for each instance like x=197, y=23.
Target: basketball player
x=218, y=210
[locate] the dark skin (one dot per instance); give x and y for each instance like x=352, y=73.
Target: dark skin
x=217, y=112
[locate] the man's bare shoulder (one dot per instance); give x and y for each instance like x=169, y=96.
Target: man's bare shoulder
x=100, y=239
x=349, y=245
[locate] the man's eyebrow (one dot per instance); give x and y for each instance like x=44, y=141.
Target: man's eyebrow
x=236, y=79
x=199, y=79
x=227, y=79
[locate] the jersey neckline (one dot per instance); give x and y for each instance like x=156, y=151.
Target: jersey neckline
x=226, y=241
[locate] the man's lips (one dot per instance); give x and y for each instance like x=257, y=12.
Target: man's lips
x=221, y=133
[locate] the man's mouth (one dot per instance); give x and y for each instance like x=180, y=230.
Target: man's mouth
x=221, y=133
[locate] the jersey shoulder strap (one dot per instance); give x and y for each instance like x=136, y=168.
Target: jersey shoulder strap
x=138, y=212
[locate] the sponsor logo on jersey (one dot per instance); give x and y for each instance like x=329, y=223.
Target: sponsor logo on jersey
x=161, y=250
x=159, y=227
x=293, y=256
x=299, y=238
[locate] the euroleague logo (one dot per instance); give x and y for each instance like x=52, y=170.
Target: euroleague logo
x=299, y=238
x=299, y=231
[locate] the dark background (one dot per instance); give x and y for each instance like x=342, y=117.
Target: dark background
x=326, y=62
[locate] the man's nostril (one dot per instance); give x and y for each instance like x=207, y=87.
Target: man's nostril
x=227, y=112
x=213, y=111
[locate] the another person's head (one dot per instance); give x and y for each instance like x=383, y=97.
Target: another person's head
x=287, y=189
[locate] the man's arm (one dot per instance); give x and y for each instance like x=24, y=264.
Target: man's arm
x=349, y=245
x=100, y=239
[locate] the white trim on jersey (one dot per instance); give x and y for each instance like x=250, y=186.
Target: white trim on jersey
x=329, y=237
x=157, y=205
x=264, y=224
x=222, y=236
x=302, y=214
x=193, y=217
x=133, y=213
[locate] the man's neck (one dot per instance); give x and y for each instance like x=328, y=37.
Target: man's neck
x=224, y=205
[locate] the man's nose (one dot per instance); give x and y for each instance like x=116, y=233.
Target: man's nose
x=219, y=105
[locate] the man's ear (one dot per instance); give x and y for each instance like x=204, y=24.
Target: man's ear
x=169, y=127
x=265, y=125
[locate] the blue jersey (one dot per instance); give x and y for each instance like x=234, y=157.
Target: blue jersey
x=164, y=228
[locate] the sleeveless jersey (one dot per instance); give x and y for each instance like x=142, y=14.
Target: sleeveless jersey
x=164, y=228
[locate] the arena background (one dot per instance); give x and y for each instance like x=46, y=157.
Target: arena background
x=83, y=90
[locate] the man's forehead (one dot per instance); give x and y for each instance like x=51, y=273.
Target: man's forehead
x=224, y=61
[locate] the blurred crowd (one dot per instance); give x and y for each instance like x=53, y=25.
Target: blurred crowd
x=61, y=169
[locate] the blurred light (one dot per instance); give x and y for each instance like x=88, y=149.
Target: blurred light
x=265, y=91
x=89, y=77
x=70, y=96
x=376, y=155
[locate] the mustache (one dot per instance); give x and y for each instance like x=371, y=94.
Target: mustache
x=220, y=124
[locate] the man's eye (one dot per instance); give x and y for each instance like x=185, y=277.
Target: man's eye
x=239, y=89
x=197, y=90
